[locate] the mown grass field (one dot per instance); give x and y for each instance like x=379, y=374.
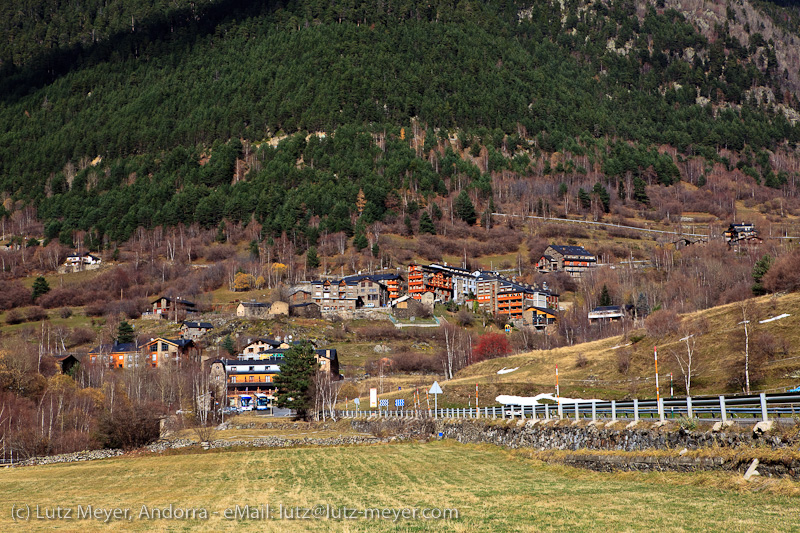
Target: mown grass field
x=492, y=488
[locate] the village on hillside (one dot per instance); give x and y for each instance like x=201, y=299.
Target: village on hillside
x=242, y=374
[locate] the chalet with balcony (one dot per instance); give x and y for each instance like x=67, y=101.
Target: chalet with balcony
x=168, y=307
x=444, y=281
x=195, y=330
x=607, y=313
x=741, y=233
x=264, y=345
x=82, y=260
x=124, y=355
x=354, y=292
x=539, y=317
x=574, y=260
x=501, y=296
x=160, y=352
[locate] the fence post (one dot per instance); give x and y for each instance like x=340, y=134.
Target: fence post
x=661, y=410
x=613, y=411
x=577, y=412
x=494, y=414
x=503, y=412
x=689, y=411
x=560, y=410
x=636, y=409
x=594, y=411
x=764, y=415
x=547, y=411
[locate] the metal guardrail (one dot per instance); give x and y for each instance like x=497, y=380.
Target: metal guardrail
x=757, y=407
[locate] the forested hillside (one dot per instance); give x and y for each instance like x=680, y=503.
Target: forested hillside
x=122, y=114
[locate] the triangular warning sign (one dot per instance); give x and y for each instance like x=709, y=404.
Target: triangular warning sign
x=435, y=389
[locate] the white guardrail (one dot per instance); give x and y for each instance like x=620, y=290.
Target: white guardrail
x=757, y=407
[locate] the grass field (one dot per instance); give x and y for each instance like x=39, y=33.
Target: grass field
x=492, y=488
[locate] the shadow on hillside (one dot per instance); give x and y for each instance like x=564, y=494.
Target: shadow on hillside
x=177, y=27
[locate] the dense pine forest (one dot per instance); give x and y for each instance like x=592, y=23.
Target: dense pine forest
x=120, y=114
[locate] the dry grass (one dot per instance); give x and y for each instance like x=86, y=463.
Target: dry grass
x=493, y=489
x=716, y=351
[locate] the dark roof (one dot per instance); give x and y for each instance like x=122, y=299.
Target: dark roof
x=305, y=304
x=198, y=325
x=254, y=304
x=327, y=353
x=570, y=250
x=607, y=308
x=265, y=340
x=181, y=343
x=177, y=300
x=125, y=347
x=103, y=348
x=254, y=362
x=543, y=310
x=63, y=357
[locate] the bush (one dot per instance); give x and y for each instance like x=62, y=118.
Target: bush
x=582, y=361
x=14, y=317
x=784, y=274
x=464, y=318
x=415, y=362
x=128, y=427
x=35, y=314
x=13, y=294
x=623, y=361
x=662, y=323
x=65, y=312
x=80, y=336
x=95, y=309
x=490, y=346
x=215, y=254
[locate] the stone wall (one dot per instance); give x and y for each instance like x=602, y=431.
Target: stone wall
x=571, y=437
x=564, y=435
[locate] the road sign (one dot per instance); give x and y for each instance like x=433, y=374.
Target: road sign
x=357, y=401
x=373, y=398
x=384, y=403
x=436, y=390
x=399, y=403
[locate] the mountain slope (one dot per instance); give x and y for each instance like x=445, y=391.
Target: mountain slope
x=156, y=99
x=594, y=369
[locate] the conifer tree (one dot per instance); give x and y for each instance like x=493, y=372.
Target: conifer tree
x=426, y=224
x=40, y=286
x=605, y=298
x=228, y=345
x=312, y=259
x=295, y=380
x=464, y=208
x=124, y=332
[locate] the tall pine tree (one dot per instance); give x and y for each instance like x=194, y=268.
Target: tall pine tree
x=464, y=208
x=296, y=378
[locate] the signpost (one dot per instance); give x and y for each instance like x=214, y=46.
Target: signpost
x=655, y=354
x=357, y=401
x=436, y=390
x=399, y=403
x=373, y=398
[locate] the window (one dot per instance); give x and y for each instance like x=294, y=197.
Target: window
x=233, y=379
x=164, y=347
